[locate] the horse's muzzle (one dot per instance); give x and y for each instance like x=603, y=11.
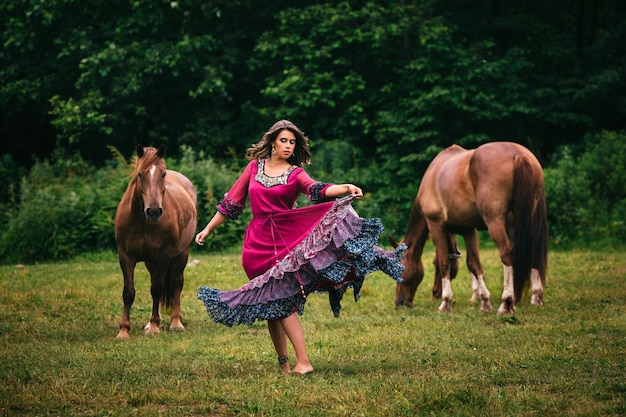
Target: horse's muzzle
x=403, y=302
x=153, y=214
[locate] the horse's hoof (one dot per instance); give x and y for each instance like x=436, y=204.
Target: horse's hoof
x=486, y=308
x=177, y=328
x=445, y=307
x=123, y=335
x=536, y=300
x=506, y=309
x=151, y=330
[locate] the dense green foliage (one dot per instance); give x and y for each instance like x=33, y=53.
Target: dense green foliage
x=379, y=86
x=66, y=208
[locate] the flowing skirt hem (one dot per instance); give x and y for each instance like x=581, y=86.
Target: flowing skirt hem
x=337, y=255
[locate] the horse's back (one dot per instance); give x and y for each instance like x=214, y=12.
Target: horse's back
x=463, y=186
x=496, y=156
x=493, y=165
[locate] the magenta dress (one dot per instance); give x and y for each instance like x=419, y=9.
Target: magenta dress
x=290, y=252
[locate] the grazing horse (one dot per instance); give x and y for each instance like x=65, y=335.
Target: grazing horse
x=498, y=187
x=155, y=223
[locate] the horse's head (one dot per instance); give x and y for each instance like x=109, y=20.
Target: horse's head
x=150, y=174
x=412, y=276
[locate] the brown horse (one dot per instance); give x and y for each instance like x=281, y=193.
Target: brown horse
x=498, y=187
x=155, y=223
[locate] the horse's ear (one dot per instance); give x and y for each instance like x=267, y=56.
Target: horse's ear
x=140, y=151
x=392, y=241
x=161, y=151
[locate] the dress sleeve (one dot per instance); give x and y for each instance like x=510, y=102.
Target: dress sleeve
x=314, y=189
x=234, y=200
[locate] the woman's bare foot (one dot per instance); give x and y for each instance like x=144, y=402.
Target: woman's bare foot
x=302, y=369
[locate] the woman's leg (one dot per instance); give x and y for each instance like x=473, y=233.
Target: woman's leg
x=293, y=329
x=279, y=340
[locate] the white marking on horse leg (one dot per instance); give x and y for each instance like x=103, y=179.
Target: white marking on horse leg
x=508, y=294
x=480, y=292
x=537, y=288
x=475, y=284
x=446, y=294
x=152, y=328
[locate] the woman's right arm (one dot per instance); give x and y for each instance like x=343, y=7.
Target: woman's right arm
x=217, y=219
x=230, y=207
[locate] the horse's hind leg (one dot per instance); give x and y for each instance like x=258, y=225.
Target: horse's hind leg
x=128, y=294
x=497, y=231
x=537, y=288
x=174, y=285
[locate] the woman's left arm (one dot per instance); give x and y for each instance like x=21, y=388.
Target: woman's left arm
x=320, y=191
x=337, y=190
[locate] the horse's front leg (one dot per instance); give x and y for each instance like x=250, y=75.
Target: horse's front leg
x=176, y=280
x=453, y=256
x=436, y=291
x=446, y=294
x=158, y=272
x=444, y=269
x=128, y=294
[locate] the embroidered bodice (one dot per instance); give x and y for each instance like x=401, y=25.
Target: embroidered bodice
x=267, y=181
x=269, y=194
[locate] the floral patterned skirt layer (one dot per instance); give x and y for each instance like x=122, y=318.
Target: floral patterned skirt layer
x=336, y=255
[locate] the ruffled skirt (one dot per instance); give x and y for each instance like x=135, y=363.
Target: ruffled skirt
x=339, y=252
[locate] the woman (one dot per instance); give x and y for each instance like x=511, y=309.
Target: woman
x=290, y=252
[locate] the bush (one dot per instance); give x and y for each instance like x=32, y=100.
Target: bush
x=10, y=177
x=586, y=195
x=65, y=209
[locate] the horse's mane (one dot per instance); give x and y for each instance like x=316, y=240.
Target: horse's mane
x=150, y=157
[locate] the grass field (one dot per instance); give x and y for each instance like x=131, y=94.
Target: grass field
x=59, y=356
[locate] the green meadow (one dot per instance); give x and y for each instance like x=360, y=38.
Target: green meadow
x=59, y=356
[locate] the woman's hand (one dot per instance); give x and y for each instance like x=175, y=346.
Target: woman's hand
x=217, y=219
x=355, y=191
x=201, y=236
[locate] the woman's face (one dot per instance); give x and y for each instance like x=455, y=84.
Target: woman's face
x=285, y=144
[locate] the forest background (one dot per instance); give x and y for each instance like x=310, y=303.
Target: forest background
x=380, y=87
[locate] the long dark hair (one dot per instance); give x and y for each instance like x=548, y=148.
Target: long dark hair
x=263, y=148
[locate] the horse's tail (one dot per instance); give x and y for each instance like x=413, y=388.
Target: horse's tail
x=529, y=228
x=540, y=236
x=167, y=300
x=173, y=284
